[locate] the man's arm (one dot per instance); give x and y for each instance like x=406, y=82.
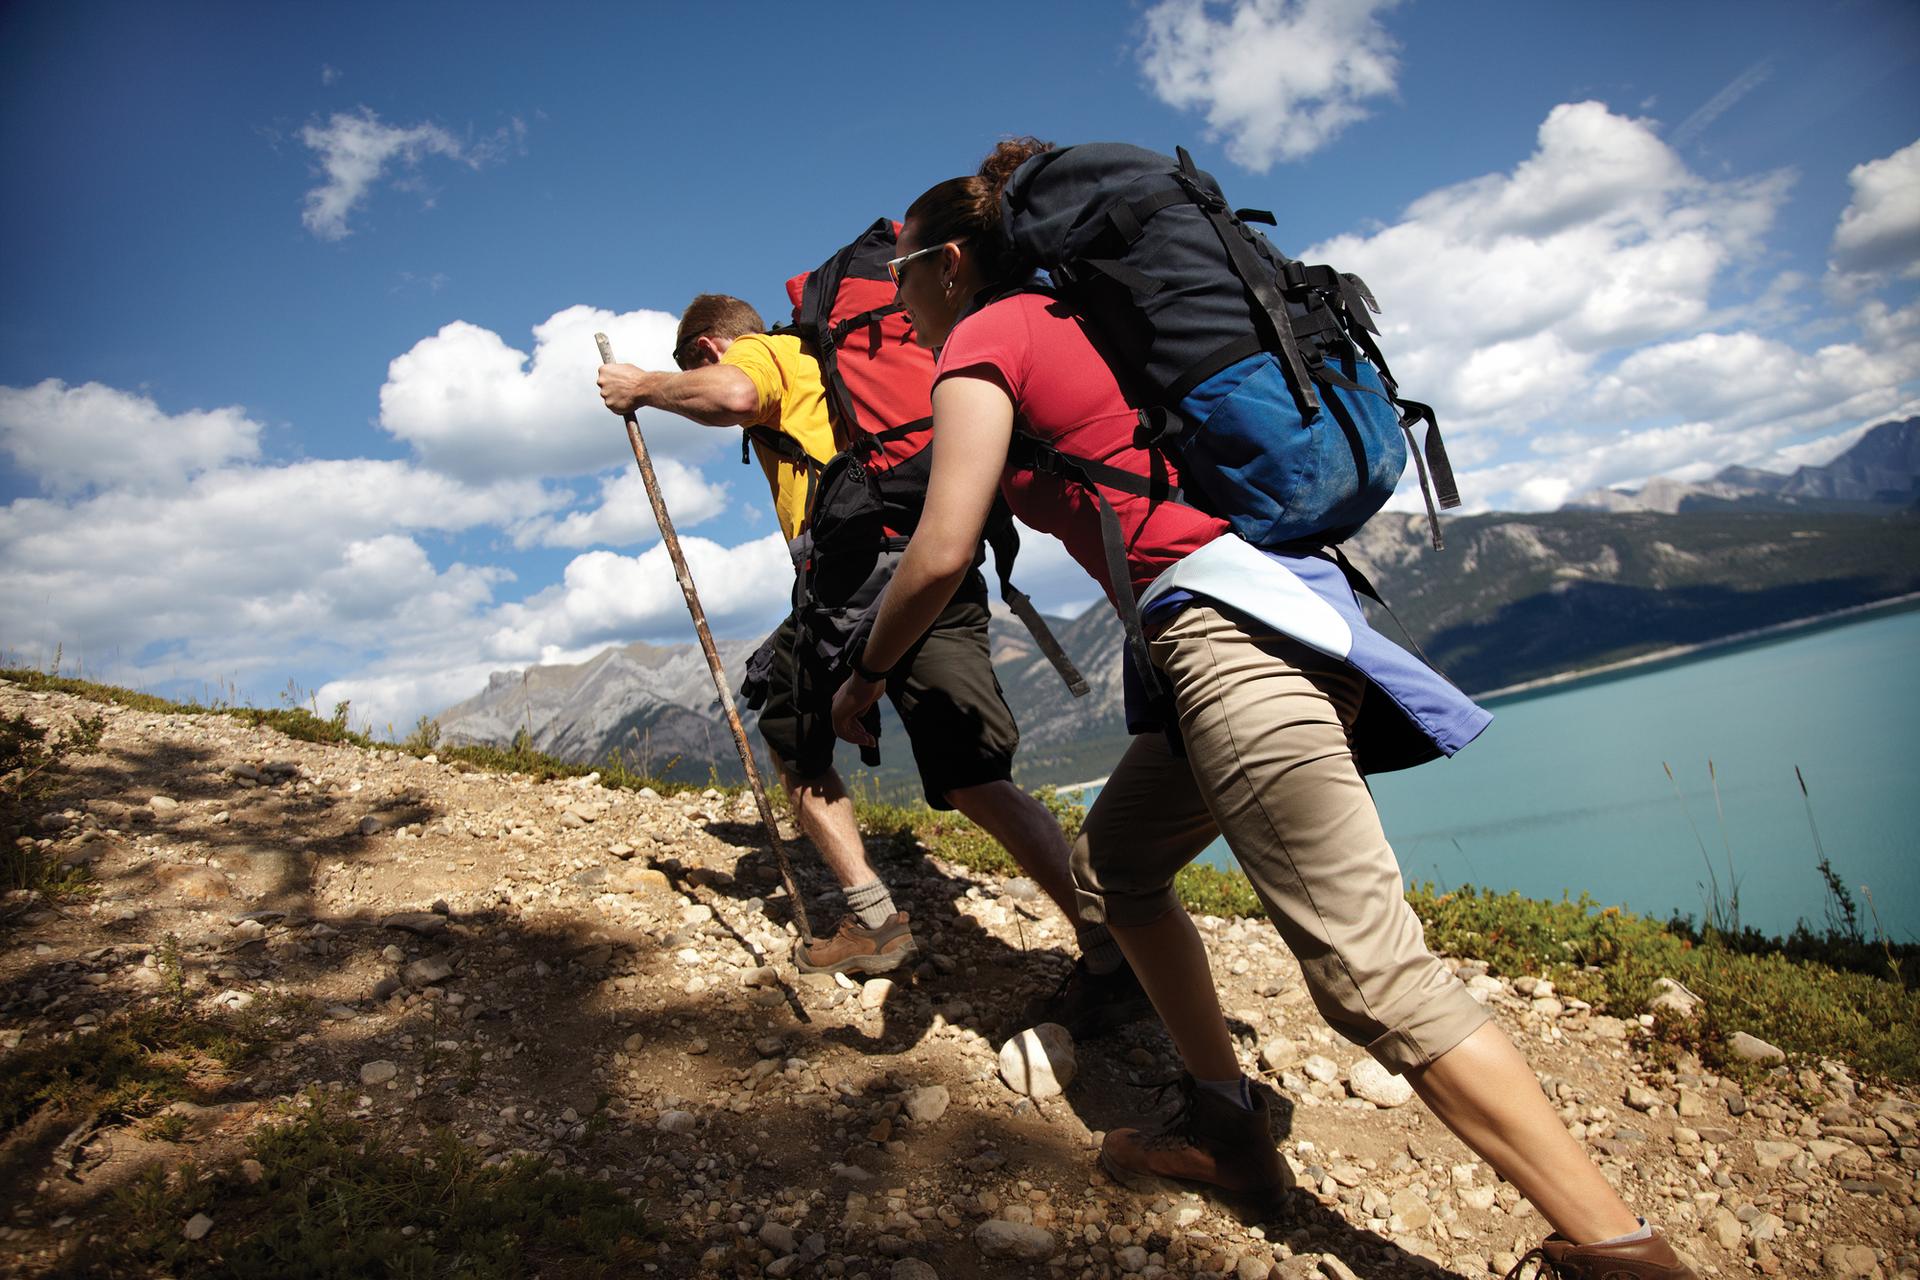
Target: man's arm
x=717, y=395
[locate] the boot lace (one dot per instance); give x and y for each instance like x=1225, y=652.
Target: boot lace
x=1172, y=1134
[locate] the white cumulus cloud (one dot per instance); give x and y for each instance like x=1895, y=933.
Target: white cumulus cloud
x=625, y=516
x=604, y=597
x=473, y=406
x=75, y=438
x=1276, y=79
x=1570, y=318
x=1879, y=231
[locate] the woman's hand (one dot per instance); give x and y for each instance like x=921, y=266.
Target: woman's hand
x=852, y=701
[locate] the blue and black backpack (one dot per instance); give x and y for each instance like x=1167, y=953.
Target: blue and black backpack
x=1258, y=375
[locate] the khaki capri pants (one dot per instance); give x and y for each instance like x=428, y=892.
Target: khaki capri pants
x=1265, y=721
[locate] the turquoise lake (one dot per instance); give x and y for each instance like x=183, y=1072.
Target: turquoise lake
x=1565, y=791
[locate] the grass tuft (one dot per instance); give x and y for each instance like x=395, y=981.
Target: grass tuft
x=332, y=1197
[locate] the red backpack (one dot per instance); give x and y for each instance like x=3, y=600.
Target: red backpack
x=866, y=501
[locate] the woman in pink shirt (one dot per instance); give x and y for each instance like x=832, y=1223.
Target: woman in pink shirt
x=1271, y=728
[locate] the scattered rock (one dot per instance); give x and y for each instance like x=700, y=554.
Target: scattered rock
x=925, y=1105
x=197, y=1227
x=428, y=971
x=1368, y=1079
x=162, y=806
x=997, y=1238
x=913, y=1269
x=675, y=1122
x=378, y=1072
x=425, y=924
x=1277, y=1053
x=1320, y=1068
x=1753, y=1049
x=1671, y=997
x=874, y=992
x=1039, y=1062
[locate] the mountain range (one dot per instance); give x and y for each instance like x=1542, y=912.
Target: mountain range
x=1513, y=598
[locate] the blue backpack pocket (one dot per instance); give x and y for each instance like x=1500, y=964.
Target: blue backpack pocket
x=1277, y=479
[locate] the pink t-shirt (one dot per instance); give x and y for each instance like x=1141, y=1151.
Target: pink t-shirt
x=1067, y=397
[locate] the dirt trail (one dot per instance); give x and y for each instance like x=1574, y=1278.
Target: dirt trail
x=585, y=974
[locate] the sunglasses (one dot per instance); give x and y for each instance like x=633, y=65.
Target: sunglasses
x=683, y=354
x=897, y=267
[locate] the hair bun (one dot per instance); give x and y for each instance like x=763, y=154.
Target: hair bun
x=997, y=169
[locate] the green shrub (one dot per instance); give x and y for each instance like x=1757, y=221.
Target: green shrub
x=30, y=760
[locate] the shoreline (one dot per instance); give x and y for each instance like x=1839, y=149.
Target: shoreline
x=1681, y=652
x=1671, y=654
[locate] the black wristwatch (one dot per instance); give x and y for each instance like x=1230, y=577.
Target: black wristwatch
x=860, y=669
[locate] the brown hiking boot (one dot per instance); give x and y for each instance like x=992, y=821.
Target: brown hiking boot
x=1208, y=1140
x=1649, y=1259
x=1090, y=1005
x=854, y=948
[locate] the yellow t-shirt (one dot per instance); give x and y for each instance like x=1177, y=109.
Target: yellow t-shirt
x=787, y=379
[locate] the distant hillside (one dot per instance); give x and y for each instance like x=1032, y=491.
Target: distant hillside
x=1881, y=472
x=1514, y=598
x=1511, y=599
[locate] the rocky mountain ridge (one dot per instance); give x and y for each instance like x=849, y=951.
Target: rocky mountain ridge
x=1880, y=471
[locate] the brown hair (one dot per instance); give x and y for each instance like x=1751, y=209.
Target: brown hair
x=717, y=315
x=968, y=209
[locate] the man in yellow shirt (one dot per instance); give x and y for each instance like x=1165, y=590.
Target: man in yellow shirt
x=962, y=733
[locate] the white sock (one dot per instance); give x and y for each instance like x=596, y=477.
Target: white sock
x=1234, y=1090
x=1644, y=1233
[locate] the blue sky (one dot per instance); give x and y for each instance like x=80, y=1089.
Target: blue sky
x=295, y=306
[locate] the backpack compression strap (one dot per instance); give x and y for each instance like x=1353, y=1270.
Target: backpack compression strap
x=1271, y=312
x=1030, y=452
x=1004, y=537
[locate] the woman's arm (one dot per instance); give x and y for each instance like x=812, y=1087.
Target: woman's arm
x=972, y=430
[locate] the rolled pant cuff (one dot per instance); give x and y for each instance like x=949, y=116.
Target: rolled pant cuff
x=1440, y=1026
x=1125, y=910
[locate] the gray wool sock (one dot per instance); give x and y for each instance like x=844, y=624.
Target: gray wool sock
x=871, y=902
x=1234, y=1090
x=1099, y=950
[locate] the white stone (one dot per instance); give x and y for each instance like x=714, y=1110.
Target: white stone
x=1477, y=1198
x=1278, y=1053
x=1673, y=998
x=1040, y=1061
x=998, y=1238
x=378, y=1072
x=1368, y=1079
x=197, y=1227
x=926, y=1105
x=1321, y=1068
x=1753, y=1049
x=874, y=992
x=675, y=1122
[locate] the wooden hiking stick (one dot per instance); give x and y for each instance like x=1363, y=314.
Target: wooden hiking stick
x=685, y=575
